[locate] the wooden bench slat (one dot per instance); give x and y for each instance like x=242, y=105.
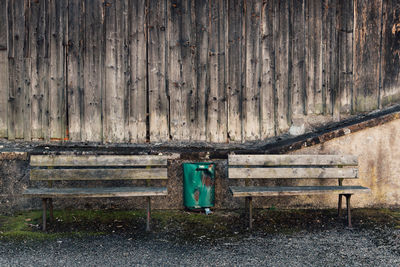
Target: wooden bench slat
x=97, y=174
x=297, y=173
x=95, y=192
x=293, y=160
x=100, y=160
x=238, y=191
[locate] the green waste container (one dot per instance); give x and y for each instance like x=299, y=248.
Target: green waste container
x=198, y=185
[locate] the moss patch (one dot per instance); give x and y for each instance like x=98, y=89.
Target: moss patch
x=183, y=226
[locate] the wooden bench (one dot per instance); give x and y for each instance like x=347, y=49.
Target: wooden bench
x=53, y=168
x=319, y=167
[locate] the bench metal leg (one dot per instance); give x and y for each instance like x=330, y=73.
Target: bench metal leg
x=148, y=214
x=348, y=210
x=51, y=210
x=340, y=205
x=249, y=200
x=44, y=205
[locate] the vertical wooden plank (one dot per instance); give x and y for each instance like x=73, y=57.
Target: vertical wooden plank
x=297, y=24
x=36, y=17
x=367, y=26
x=115, y=14
x=176, y=85
x=189, y=71
x=251, y=92
x=3, y=70
x=57, y=95
x=216, y=102
x=282, y=75
x=313, y=56
x=390, y=58
x=92, y=126
x=158, y=93
x=188, y=88
x=75, y=67
x=19, y=67
x=234, y=88
x=268, y=89
x=202, y=83
x=330, y=72
x=138, y=72
x=345, y=56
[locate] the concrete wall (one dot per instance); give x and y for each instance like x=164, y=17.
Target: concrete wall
x=378, y=150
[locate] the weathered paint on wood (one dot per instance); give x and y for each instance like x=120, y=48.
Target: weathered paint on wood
x=293, y=160
x=191, y=70
x=278, y=173
x=97, y=174
x=295, y=190
x=95, y=192
x=103, y=160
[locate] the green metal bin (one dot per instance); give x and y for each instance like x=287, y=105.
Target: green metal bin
x=198, y=185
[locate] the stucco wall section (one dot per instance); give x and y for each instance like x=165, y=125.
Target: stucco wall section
x=378, y=151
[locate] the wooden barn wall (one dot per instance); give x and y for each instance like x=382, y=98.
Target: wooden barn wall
x=191, y=70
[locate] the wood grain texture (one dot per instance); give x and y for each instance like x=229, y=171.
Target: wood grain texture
x=298, y=49
x=95, y=192
x=268, y=89
x=201, y=46
x=57, y=94
x=216, y=96
x=282, y=70
x=234, y=83
x=159, y=103
x=251, y=94
x=390, y=54
x=137, y=85
x=295, y=173
x=97, y=174
x=114, y=79
x=92, y=121
x=292, y=160
x=295, y=190
x=75, y=68
x=313, y=57
x=345, y=56
x=103, y=160
x=3, y=70
x=191, y=70
x=366, y=51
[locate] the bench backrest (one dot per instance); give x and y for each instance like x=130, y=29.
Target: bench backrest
x=293, y=166
x=98, y=167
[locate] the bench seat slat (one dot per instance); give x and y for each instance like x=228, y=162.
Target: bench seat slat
x=281, y=173
x=97, y=174
x=100, y=160
x=238, y=191
x=95, y=192
x=292, y=160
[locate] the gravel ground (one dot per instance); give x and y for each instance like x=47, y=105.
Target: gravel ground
x=332, y=247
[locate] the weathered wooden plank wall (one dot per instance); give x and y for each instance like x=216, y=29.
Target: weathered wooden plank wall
x=191, y=70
